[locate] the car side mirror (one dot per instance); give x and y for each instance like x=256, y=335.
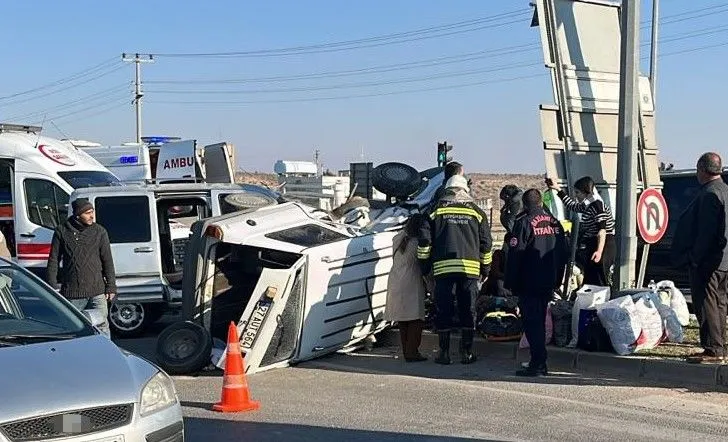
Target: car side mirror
x=94, y=316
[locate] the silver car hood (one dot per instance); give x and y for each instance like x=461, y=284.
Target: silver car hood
x=47, y=378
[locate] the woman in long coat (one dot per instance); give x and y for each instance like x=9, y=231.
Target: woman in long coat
x=406, y=290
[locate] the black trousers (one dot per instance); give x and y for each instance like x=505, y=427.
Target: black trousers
x=533, y=306
x=709, y=290
x=449, y=288
x=597, y=273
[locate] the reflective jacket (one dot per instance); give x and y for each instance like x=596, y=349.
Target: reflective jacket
x=455, y=239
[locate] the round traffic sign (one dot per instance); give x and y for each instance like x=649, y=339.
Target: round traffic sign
x=652, y=215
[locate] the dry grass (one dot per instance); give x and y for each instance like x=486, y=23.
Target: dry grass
x=689, y=346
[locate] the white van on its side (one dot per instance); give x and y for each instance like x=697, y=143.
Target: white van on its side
x=37, y=176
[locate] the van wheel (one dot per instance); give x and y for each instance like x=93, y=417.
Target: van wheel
x=128, y=320
x=184, y=348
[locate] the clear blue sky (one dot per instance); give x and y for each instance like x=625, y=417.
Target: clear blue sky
x=494, y=126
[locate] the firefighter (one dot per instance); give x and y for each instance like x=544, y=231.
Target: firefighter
x=455, y=243
x=537, y=258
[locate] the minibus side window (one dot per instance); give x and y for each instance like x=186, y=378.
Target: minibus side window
x=47, y=203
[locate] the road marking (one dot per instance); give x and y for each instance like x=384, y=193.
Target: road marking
x=571, y=402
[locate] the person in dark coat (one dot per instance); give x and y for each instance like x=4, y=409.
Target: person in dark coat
x=511, y=196
x=87, y=277
x=537, y=258
x=701, y=245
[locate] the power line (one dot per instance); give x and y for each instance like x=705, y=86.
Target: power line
x=361, y=84
x=82, y=83
x=690, y=50
x=409, y=65
x=678, y=18
x=445, y=60
x=79, y=111
x=80, y=74
x=95, y=96
x=399, y=92
x=101, y=112
x=381, y=94
x=450, y=59
x=416, y=35
x=383, y=40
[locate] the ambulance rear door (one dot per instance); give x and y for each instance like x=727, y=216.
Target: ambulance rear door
x=219, y=165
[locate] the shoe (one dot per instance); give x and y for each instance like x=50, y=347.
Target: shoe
x=418, y=358
x=532, y=371
x=444, y=357
x=466, y=347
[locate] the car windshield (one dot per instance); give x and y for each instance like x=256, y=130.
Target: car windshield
x=30, y=311
x=89, y=178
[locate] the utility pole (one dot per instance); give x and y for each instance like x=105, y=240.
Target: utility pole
x=653, y=47
x=628, y=139
x=138, y=59
x=316, y=159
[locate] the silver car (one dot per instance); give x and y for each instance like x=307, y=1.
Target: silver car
x=61, y=378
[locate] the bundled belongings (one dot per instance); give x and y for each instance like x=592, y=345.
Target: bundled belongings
x=561, y=312
x=499, y=319
x=675, y=300
x=588, y=297
x=592, y=334
x=670, y=323
x=650, y=320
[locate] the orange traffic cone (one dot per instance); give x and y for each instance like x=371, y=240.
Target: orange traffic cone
x=235, y=392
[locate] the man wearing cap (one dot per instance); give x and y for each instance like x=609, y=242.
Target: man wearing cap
x=87, y=276
x=455, y=242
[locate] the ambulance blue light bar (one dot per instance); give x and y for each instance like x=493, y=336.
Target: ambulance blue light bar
x=129, y=159
x=158, y=141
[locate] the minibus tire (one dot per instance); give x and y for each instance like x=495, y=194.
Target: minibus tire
x=184, y=348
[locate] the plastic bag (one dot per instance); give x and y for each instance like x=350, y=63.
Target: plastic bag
x=561, y=312
x=588, y=297
x=670, y=323
x=549, y=330
x=620, y=318
x=677, y=301
x=651, y=322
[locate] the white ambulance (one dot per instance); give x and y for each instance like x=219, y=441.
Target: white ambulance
x=165, y=160
x=37, y=176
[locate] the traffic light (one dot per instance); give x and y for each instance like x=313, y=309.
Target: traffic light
x=442, y=150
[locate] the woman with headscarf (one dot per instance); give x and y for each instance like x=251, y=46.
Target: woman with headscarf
x=597, y=248
x=406, y=290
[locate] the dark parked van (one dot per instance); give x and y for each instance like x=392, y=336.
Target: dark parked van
x=680, y=187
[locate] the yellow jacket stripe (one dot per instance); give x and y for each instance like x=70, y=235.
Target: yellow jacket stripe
x=424, y=252
x=456, y=268
x=486, y=258
x=457, y=211
x=467, y=266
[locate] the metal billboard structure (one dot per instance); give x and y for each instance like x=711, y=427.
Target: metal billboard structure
x=581, y=48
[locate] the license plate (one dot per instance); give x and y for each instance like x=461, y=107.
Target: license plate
x=253, y=326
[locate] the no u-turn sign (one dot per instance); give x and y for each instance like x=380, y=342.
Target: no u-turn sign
x=652, y=215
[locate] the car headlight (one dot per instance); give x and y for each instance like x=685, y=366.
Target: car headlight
x=157, y=394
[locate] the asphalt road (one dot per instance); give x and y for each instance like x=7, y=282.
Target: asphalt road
x=373, y=396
